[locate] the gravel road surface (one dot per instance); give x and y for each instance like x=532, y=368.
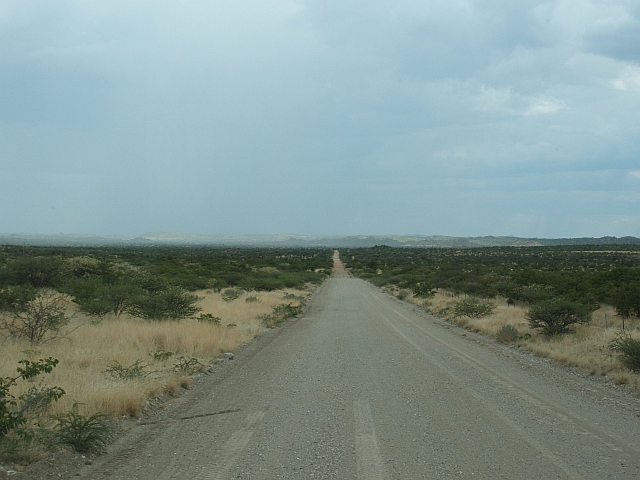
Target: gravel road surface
x=363, y=386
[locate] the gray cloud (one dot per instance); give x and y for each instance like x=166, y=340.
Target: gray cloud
x=458, y=117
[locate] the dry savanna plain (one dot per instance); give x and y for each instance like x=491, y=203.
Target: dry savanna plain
x=586, y=349
x=367, y=383
x=88, y=353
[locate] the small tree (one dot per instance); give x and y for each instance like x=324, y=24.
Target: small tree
x=557, y=316
x=627, y=302
x=119, y=297
x=38, y=320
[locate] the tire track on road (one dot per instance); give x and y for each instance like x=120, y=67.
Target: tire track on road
x=526, y=393
x=232, y=449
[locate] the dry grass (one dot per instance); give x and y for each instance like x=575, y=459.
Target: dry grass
x=586, y=349
x=89, y=350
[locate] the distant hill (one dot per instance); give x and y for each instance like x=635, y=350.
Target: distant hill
x=285, y=240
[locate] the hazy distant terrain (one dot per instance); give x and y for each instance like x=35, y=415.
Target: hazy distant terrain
x=286, y=240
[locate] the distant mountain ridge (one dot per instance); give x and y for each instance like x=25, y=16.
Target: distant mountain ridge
x=292, y=240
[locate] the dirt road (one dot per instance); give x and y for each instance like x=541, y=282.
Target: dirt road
x=365, y=387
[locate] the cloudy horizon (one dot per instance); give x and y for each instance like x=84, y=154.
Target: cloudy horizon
x=459, y=118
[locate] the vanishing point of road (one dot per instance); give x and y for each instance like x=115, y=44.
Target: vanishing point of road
x=363, y=386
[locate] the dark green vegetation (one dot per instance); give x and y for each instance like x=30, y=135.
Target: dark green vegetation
x=586, y=274
x=147, y=282
x=14, y=411
x=82, y=433
x=557, y=316
x=473, y=308
x=627, y=350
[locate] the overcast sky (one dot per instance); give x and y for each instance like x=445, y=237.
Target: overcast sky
x=452, y=117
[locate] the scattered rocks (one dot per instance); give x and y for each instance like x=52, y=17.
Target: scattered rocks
x=228, y=355
x=6, y=473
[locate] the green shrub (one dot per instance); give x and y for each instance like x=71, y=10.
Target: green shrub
x=208, y=318
x=508, y=334
x=423, y=290
x=14, y=411
x=286, y=310
x=557, y=316
x=626, y=349
x=16, y=297
x=402, y=294
x=133, y=371
x=187, y=365
x=82, y=433
x=172, y=303
x=230, y=294
x=280, y=313
x=161, y=355
x=39, y=272
x=473, y=308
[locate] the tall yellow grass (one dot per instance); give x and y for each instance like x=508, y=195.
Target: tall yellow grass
x=87, y=352
x=587, y=349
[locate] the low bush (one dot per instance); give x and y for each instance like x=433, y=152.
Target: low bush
x=171, y=303
x=133, y=371
x=280, y=313
x=402, y=294
x=423, y=289
x=187, y=365
x=230, y=294
x=83, y=433
x=626, y=349
x=508, y=334
x=473, y=308
x=161, y=355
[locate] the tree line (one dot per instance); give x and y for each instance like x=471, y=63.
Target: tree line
x=147, y=282
x=586, y=274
